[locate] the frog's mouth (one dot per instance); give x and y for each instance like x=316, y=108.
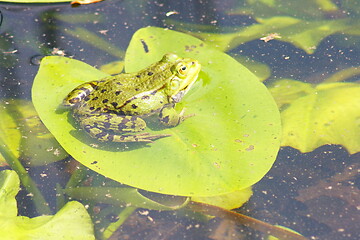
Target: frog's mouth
x=193, y=74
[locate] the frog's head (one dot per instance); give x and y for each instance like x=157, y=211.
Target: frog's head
x=185, y=72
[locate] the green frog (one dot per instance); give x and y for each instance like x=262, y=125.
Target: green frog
x=113, y=109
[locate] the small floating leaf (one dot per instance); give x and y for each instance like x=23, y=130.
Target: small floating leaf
x=71, y=222
x=228, y=201
x=303, y=34
x=325, y=114
x=25, y=135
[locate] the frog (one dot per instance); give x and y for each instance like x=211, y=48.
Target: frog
x=115, y=108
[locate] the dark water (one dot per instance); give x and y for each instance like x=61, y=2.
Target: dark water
x=292, y=194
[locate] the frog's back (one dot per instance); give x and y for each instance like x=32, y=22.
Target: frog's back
x=124, y=87
x=112, y=93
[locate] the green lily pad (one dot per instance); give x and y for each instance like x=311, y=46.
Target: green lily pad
x=315, y=116
x=229, y=144
x=71, y=222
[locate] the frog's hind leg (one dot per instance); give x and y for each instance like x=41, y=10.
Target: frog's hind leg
x=110, y=127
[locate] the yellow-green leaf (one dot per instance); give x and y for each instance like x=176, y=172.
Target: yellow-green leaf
x=228, y=201
x=71, y=222
x=326, y=114
x=26, y=136
x=303, y=34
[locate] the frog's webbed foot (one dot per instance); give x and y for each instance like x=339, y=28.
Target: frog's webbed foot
x=170, y=118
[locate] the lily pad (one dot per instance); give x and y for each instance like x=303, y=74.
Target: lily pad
x=325, y=114
x=71, y=222
x=230, y=143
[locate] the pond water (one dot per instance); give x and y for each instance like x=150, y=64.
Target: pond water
x=313, y=186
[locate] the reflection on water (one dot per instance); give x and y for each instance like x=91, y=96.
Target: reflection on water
x=313, y=193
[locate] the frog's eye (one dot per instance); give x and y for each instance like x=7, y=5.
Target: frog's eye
x=182, y=70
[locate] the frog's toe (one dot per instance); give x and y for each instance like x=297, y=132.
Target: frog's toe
x=146, y=137
x=142, y=137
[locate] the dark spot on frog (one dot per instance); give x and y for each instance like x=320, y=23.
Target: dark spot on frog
x=87, y=98
x=145, y=97
x=105, y=100
x=110, y=137
x=91, y=108
x=95, y=98
x=165, y=119
x=93, y=84
x=150, y=73
x=117, y=93
x=104, y=90
x=88, y=128
x=125, y=120
x=107, y=125
x=133, y=98
x=123, y=123
x=153, y=93
x=94, y=162
x=114, y=104
x=138, y=76
x=100, y=135
x=137, y=89
x=134, y=106
x=118, y=83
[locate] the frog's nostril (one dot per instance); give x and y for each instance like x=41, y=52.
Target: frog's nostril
x=192, y=63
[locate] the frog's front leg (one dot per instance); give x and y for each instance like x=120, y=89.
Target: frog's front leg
x=110, y=127
x=170, y=117
x=80, y=92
